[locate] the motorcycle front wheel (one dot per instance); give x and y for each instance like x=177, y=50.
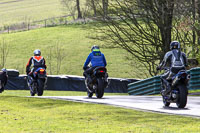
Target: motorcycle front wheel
x=90, y=94
x=31, y=87
x=165, y=102
x=32, y=93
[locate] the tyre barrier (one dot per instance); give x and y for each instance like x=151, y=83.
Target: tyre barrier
x=68, y=83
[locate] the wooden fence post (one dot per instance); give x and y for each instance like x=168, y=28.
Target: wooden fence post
x=45, y=23
x=8, y=29
x=66, y=20
x=28, y=25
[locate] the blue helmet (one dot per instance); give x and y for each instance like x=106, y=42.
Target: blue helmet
x=175, y=45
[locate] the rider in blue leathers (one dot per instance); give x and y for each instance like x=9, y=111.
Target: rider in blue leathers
x=95, y=59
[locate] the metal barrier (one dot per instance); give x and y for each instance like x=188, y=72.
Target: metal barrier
x=145, y=87
x=194, y=82
x=153, y=85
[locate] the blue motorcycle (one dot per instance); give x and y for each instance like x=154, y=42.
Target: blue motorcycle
x=178, y=89
x=37, y=82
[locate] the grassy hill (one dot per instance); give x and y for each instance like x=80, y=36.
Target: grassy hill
x=14, y=11
x=75, y=44
x=72, y=39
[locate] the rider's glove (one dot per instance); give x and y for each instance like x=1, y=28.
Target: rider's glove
x=84, y=68
x=27, y=72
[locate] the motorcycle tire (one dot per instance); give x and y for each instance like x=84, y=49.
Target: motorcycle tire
x=166, y=104
x=32, y=93
x=31, y=87
x=40, y=87
x=100, y=88
x=182, y=97
x=90, y=94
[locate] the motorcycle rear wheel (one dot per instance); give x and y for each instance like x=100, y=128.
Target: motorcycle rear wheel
x=40, y=87
x=100, y=88
x=182, y=97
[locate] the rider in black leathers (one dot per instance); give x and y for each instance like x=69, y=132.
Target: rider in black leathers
x=174, y=60
x=36, y=61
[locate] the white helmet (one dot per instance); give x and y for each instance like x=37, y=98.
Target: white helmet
x=37, y=52
x=4, y=70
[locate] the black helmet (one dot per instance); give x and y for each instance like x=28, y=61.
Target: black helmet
x=37, y=52
x=95, y=47
x=175, y=45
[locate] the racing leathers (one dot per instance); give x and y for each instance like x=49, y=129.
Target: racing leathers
x=36, y=62
x=173, y=62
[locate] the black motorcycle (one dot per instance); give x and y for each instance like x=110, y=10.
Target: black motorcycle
x=99, y=82
x=178, y=89
x=1, y=87
x=37, y=82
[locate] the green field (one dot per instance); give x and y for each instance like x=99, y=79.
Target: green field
x=30, y=115
x=15, y=11
x=75, y=44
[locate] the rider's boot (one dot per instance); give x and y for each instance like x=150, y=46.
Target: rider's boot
x=2, y=89
x=30, y=80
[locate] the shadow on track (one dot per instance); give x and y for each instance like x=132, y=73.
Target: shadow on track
x=174, y=108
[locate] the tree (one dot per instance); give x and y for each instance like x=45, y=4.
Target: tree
x=94, y=7
x=55, y=57
x=69, y=6
x=197, y=20
x=105, y=7
x=72, y=6
x=78, y=9
x=4, y=49
x=142, y=28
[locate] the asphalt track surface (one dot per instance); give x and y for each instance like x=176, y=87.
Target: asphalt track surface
x=144, y=103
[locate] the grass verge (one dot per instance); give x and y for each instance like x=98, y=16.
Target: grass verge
x=23, y=93
x=21, y=114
